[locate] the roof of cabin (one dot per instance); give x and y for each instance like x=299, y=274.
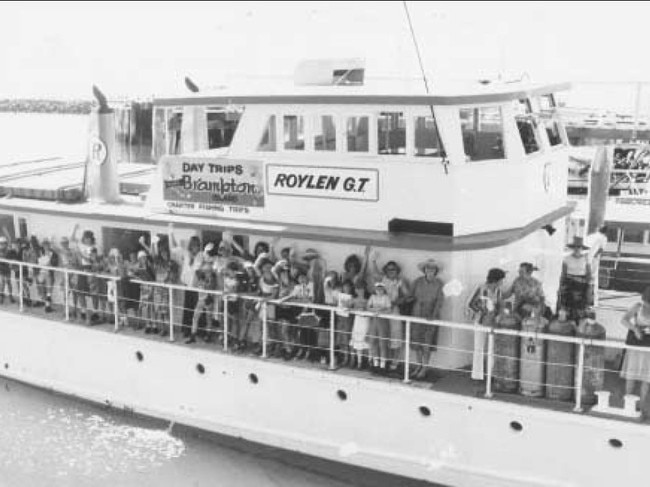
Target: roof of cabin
x=373, y=92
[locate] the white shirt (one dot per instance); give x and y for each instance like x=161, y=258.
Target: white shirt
x=596, y=243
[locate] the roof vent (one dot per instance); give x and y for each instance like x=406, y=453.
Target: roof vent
x=330, y=72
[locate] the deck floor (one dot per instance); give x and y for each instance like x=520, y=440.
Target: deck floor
x=451, y=381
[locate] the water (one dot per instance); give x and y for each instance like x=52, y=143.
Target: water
x=50, y=440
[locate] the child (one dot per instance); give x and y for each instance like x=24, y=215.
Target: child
x=344, y=321
x=144, y=272
x=303, y=292
x=230, y=288
x=379, y=331
x=98, y=287
x=205, y=305
x=358, y=341
x=268, y=289
x=330, y=292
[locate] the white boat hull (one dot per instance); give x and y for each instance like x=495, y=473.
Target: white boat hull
x=465, y=441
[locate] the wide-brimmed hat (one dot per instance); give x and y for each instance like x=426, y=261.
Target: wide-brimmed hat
x=3, y=240
x=429, y=264
x=310, y=254
x=578, y=243
x=142, y=254
x=380, y=285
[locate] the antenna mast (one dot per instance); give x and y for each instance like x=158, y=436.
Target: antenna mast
x=445, y=162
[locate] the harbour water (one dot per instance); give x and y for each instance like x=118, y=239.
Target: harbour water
x=51, y=440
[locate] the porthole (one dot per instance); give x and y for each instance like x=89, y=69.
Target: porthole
x=516, y=426
x=343, y=396
x=139, y=356
x=615, y=443
x=253, y=378
x=425, y=411
x=200, y=368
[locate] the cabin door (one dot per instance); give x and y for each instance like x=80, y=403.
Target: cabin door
x=7, y=226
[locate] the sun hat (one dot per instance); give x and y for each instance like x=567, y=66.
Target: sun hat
x=428, y=264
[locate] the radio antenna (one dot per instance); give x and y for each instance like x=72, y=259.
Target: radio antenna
x=445, y=162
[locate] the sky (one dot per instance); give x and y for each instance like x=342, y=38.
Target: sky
x=60, y=49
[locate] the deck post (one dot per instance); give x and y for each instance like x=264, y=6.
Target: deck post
x=407, y=351
x=116, y=307
x=264, y=328
x=490, y=365
x=21, y=283
x=579, y=377
x=332, y=341
x=66, y=293
x=171, y=314
x=225, y=323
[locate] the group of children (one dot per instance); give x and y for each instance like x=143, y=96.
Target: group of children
x=302, y=303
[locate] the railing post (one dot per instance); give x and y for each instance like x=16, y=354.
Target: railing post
x=21, y=291
x=116, y=307
x=579, y=377
x=171, y=314
x=264, y=328
x=490, y=365
x=332, y=341
x=407, y=351
x=225, y=323
x=66, y=292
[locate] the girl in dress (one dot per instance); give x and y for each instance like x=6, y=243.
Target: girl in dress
x=45, y=277
x=358, y=341
x=379, y=331
x=268, y=289
x=286, y=315
x=205, y=281
x=344, y=321
x=303, y=292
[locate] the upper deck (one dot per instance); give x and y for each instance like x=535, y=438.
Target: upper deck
x=384, y=156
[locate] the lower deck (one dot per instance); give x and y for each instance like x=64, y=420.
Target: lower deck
x=455, y=381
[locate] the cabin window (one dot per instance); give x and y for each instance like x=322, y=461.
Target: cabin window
x=632, y=235
x=357, y=131
x=294, y=132
x=325, y=133
x=482, y=130
x=22, y=228
x=391, y=133
x=526, y=125
x=427, y=143
x=612, y=234
x=547, y=110
x=7, y=227
x=267, y=144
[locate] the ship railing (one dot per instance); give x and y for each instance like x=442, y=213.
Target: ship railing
x=587, y=363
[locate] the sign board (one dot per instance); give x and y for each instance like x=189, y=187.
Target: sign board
x=323, y=182
x=212, y=185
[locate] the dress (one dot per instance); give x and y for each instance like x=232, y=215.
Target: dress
x=360, y=326
x=396, y=327
x=428, y=301
x=379, y=327
x=636, y=364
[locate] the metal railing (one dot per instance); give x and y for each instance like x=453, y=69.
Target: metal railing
x=236, y=313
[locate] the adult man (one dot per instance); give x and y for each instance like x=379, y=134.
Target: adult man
x=575, y=292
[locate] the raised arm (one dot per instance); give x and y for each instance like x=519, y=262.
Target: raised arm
x=628, y=320
x=73, y=236
x=143, y=243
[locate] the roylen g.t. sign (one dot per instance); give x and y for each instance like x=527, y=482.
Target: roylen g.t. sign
x=323, y=182
x=212, y=185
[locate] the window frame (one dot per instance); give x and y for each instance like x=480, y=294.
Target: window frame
x=307, y=140
x=504, y=138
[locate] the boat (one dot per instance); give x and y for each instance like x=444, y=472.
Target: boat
x=473, y=176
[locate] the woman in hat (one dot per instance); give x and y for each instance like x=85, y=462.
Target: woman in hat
x=428, y=299
x=576, y=280
x=483, y=307
x=528, y=291
x=398, y=291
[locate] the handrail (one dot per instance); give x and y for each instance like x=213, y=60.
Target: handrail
x=473, y=327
